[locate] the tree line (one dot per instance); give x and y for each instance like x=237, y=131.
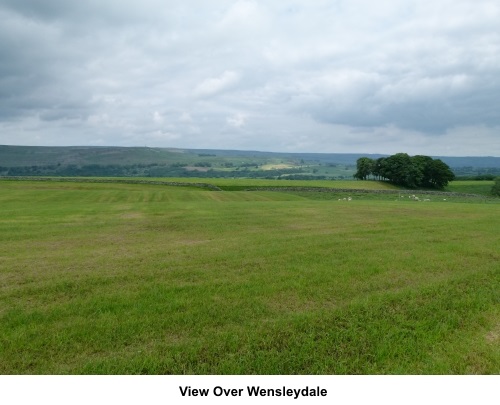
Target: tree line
x=495, y=190
x=406, y=171
x=148, y=170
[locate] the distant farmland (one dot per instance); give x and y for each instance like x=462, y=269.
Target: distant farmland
x=117, y=278
x=169, y=162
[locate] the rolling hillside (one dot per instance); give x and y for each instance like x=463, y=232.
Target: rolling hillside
x=169, y=162
x=11, y=156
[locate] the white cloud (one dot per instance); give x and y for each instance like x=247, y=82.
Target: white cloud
x=237, y=120
x=244, y=17
x=349, y=75
x=157, y=117
x=185, y=117
x=212, y=86
x=160, y=135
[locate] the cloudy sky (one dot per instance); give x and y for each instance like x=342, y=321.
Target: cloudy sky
x=384, y=76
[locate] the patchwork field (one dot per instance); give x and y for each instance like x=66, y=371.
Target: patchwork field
x=105, y=278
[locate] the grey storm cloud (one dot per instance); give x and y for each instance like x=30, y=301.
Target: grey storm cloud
x=337, y=76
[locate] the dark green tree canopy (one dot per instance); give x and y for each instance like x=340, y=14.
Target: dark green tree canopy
x=495, y=190
x=406, y=171
x=364, y=168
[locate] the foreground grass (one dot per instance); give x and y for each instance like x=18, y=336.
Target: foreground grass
x=128, y=279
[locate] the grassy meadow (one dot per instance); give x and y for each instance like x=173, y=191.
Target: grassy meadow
x=469, y=186
x=105, y=278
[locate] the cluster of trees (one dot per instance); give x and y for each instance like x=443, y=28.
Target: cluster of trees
x=406, y=171
x=113, y=170
x=495, y=190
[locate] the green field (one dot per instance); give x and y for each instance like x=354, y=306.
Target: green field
x=242, y=184
x=110, y=278
x=470, y=186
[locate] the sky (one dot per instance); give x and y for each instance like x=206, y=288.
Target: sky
x=336, y=76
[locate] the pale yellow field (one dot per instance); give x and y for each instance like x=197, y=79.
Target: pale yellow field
x=276, y=166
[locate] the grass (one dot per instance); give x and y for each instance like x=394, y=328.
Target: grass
x=470, y=186
x=147, y=279
x=235, y=184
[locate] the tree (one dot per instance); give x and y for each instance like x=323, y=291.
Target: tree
x=364, y=167
x=439, y=174
x=379, y=168
x=406, y=171
x=424, y=165
x=495, y=190
x=399, y=169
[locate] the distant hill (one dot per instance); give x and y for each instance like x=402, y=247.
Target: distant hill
x=338, y=158
x=16, y=156
x=470, y=161
x=110, y=161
